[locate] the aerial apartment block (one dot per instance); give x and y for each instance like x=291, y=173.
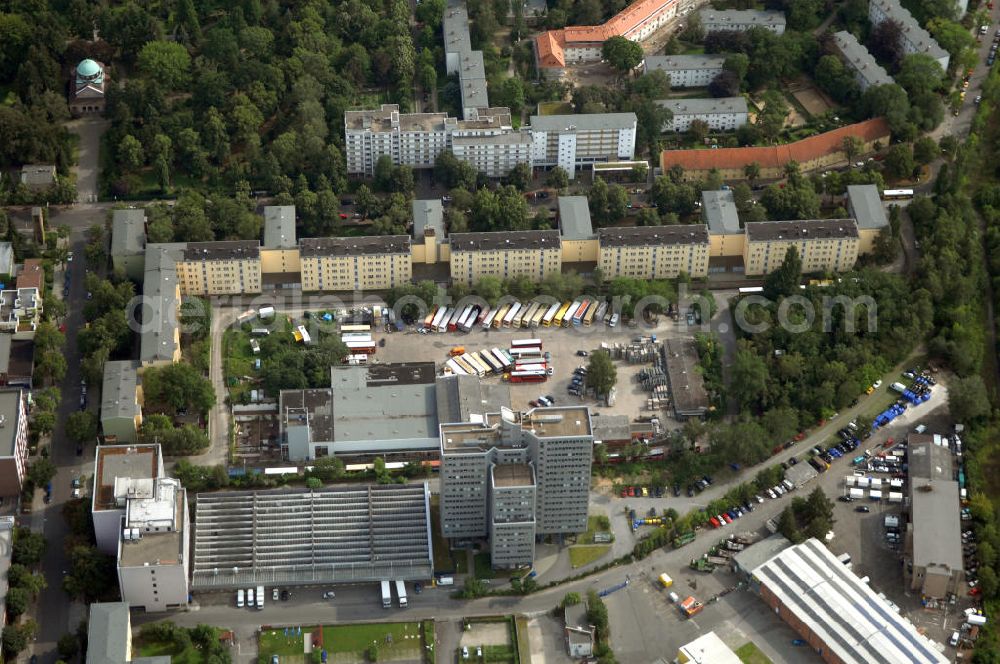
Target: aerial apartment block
x=653, y=252
x=582, y=43
x=915, y=39
x=867, y=71
x=13, y=441
x=121, y=399
x=719, y=113
x=865, y=205
x=741, y=20
x=355, y=263
x=504, y=255
x=824, y=245
x=570, y=141
x=513, y=477
x=128, y=241
x=725, y=235
x=686, y=71
x=220, y=268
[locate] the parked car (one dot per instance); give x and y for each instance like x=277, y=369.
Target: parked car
x=862, y=508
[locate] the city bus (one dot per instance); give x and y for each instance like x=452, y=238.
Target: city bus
x=558, y=319
x=550, y=315
x=746, y=290
x=580, y=311
x=481, y=316
x=355, y=328
x=438, y=317
x=588, y=318
x=476, y=361
x=488, y=318
x=470, y=320
x=897, y=194
x=526, y=343
x=456, y=315
x=529, y=313
x=602, y=308
x=509, y=318
x=461, y=315
x=360, y=347
x=429, y=318
x=455, y=368
x=466, y=367
x=527, y=376
x=487, y=357
x=568, y=316
x=501, y=314
x=525, y=353
x=536, y=320
x=501, y=357
x=443, y=325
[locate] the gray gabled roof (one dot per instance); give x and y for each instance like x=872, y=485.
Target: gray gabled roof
x=118, y=390
x=669, y=63
x=279, y=227
x=719, y=210
x=860, y=59
x=428, y=214
x=866, y=206
x=574, y=218
x=912, y=32
x=160, y=302
x=108, y=633
x=704, y=105
x=128, y=232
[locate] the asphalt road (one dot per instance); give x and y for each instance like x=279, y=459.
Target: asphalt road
x=54, y=614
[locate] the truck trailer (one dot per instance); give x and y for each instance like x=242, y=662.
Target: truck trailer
x=401, y=593
x=386, y=595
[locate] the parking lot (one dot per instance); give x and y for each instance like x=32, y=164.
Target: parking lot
x=562, y=343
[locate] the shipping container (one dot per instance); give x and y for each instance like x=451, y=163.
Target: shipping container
x=438, y=317
x=465, y=366
x=455, y=367
x=504, y=359
x=588, y=317
x=580, y=312
x=456, y=314
x=501, y=314
x=487, y=357
x=509, y=318
x=570, y=313
x=561, y=314
x=488, y=319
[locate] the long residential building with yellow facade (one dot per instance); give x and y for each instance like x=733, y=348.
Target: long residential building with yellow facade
x=505, y=255
x=653, y=252
x=355, y=263
x=220, y=268
x=824, y=245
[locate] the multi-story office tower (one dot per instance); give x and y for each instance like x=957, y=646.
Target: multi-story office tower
x=686, y=71
x=653, y=252
x=533, y=254
x=512, y=477
x=720, y=114
x=823, y=244
x=355, y=263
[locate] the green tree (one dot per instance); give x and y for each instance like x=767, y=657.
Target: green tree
x=68, y=645
x=28, y=547
x=17, y=601
x=15, y=637
x=91, y=573
x=925, y=150
x=314, y=483
x=852, y=146
x=751, y=171
x=558, y=178
x=81, y=426
x=919, y=74
x=570, y=599
x=698, y=131
x=41, y=471
x=519, y=177
x=178, y=386
x=748, y=382
x=622, y=54
x=967, y=399
x=166, y=62
x=130, y=154
x=601, y=373
x=786, y=279
x=899, y=161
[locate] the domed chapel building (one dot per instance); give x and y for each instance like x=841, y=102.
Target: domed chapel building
x=87, y=88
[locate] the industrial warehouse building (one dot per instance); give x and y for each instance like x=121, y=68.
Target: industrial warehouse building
x=347, y=534
x=382, y=410
x=837, y=614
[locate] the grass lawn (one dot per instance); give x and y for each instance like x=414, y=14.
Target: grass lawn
x=592, y=528
x=523, y=645
x=555, y=108
x=392, y=639
x=484, y=568
x=274, y=642
x=582, y=555
x=189, y=655
x=751, y=654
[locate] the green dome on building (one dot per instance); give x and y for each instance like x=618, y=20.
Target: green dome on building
x=88, y=69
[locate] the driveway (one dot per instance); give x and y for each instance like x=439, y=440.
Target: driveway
x=89, y=130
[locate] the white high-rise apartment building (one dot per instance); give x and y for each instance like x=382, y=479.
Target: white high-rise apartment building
x=577, y=140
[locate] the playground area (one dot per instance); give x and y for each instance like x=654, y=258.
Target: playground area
x=348, y=644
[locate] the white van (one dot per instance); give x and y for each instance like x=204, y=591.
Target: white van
x=250, y=597
x=239, y=598
x=260, y=598
x=953, y=641
x=673, y=597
